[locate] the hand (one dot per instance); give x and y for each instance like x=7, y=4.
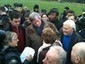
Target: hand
x=29, y=58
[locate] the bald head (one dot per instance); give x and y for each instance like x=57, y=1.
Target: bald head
x=55, y=55
x=78, y=53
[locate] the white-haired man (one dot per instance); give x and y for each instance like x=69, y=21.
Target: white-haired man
x=55, y=55
x=69, y=37
x=78, y=53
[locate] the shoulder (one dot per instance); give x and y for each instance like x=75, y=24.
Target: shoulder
x=30, y=29
x=77, y=37
x=12, y=57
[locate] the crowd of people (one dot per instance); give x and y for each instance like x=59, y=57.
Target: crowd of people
x=56, y=38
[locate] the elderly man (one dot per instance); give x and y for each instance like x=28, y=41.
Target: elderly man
x=34, y=31
x=55, y=55
x=78, y=53
x=69, y=37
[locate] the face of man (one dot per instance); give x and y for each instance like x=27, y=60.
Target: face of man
x=27, y=21
x=15, y=22
x=52, y=16
x=50, y=57
x=67, y=30
x=37, y=22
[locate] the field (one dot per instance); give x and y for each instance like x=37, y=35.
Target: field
x=47, y=5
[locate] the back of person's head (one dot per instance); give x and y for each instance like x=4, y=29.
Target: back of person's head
x=61, y=58
x=14, y=14
x=34, y=15
x=55, y=55
x=48, y=35
x=79, y=51
x=71, y=24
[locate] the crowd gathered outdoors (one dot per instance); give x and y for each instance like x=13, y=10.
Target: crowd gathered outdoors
x=56, y=38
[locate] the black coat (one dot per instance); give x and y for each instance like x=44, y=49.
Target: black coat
x=10, y=55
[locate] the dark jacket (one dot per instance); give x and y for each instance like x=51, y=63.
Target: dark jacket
x=58, y=24
x=75, y=39
x=82, y=33
x=10, y=55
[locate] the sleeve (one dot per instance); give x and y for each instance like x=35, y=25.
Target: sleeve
x=12, y=58
x=12, y=61
x=28, y=40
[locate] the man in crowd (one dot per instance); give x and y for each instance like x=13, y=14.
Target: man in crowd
x=53, y=18
x=69, y=37
x=15, y=26
x=34, y=31
x=55, y=55
x=78, y=53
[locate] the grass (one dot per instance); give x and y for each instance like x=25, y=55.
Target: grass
x=47, y=5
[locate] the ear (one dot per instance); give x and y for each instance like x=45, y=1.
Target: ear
x=77, y=60
x=9, y=42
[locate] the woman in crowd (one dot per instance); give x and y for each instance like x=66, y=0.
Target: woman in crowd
x=9, y=52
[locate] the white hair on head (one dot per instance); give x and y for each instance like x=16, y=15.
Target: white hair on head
x=61, y=58
x=71, y=23
x=80, y=50
x=80, y=45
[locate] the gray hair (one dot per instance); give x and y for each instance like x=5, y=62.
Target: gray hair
x=61, y=54
x=71, y=23
x=8, y=37
x=80, y=50
x=34, y=15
